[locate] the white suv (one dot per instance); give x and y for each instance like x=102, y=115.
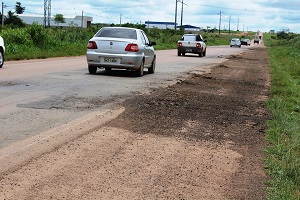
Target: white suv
x=2, y=50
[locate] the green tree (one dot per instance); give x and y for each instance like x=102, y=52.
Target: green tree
x=59, y=18
x=13, y=21
x=19, y=9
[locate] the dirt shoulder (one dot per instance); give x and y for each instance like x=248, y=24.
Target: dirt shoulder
x=201, y=138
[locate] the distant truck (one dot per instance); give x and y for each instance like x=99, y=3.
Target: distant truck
x=257, y=39
x=191, y=43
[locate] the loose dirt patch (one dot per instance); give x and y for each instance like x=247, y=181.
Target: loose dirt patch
x=201, y=138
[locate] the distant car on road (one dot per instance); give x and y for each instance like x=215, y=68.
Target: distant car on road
x=191, y=43
x=235, y=42
x=256, y=39
x=2, y=50
x=246, y=42
x=122, y=48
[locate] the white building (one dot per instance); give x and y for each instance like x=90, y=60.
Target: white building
x=160, y=25
x=79, y=21
x=170, y=25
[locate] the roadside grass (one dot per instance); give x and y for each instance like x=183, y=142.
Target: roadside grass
x=37, y=42
x=283, y=155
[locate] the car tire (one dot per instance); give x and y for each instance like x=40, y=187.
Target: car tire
x=178, y=53
x=107, y=69
x=1, y=59
x=204, y=53
x=183, y=54
x=200, y=54
x=153, y=65
x=140, y=71
x=92, y=69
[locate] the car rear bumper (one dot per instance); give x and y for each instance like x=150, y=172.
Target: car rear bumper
x=190, y=50
x=122, y=61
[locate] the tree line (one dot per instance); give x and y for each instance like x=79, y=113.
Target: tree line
x=11, y=19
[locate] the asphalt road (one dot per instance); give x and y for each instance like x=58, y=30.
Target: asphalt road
x=39, y=95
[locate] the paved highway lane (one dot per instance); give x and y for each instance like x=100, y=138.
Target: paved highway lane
x=39, y=95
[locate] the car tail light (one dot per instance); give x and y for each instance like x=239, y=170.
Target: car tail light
x=179, y=44
x=92, y=45
x=198, y=45
x=132, y=48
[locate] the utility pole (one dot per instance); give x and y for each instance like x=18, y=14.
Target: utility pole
x=82, y=19
x=238, y=24
x=181, y=13
x=3, y=6
x=175, y=27
x=220, y=23
x=229, y=22
x=120, y=19
x=2, y=15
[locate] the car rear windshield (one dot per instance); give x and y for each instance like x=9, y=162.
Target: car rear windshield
x=117, y=33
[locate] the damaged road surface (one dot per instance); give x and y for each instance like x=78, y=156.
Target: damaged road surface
x=200, y=138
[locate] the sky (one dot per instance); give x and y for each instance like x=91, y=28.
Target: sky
x=243, y=15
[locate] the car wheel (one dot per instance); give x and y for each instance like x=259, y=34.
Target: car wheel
x=107, y=69
x=200, y=54
x=204, y=53
x=140, y=71
x=178, y=53
x=183, y=54
x=1, y=59
x=152, y=68
x=92, y=69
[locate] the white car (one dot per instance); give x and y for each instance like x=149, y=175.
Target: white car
x=2, y=50
x=235, y=42
x=121, y=48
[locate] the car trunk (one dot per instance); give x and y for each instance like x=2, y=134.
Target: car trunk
x=112, y=45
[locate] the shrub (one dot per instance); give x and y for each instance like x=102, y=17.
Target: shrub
x=38, y=34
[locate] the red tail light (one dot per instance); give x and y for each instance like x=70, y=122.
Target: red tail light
x=198, y=45
x=179, y=44
x=132, y=48
x=92, y=45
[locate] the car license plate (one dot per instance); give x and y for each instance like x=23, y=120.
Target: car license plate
x=188, y=50
x=110, y=60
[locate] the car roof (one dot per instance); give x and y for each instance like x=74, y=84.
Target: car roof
x=119, y=27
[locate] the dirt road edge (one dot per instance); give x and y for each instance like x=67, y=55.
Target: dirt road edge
x=19, y=153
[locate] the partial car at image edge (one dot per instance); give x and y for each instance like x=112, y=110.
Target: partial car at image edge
x=121, y=48
x=2, y=51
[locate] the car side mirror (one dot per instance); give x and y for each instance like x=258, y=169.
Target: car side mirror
x=152, y=43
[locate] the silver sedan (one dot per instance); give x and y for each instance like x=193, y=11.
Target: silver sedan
x=122, y=48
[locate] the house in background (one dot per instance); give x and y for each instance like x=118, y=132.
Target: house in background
x=170, y=25
x=160, y=25
x=190, y=28
x=79, y=21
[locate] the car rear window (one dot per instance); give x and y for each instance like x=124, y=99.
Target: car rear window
x=189, y=38
x=117, y=33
